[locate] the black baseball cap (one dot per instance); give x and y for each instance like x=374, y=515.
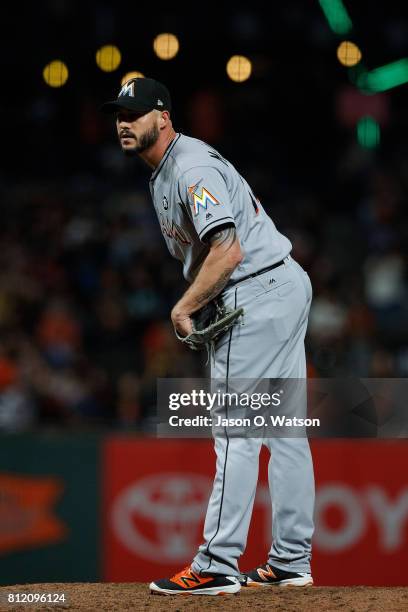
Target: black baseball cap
x=141, y=95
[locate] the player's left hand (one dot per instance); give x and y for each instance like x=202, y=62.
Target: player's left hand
x=181, y=322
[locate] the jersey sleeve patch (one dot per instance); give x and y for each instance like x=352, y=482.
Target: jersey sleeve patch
x=201, y=198
x=205, y=195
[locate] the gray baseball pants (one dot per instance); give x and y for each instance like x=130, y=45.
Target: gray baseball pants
x=269, y=345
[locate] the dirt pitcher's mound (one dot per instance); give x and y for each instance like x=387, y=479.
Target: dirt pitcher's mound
x=134, y=596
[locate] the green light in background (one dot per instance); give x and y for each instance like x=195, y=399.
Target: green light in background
x=368, y=132
x=337, y=16
x=384, y=77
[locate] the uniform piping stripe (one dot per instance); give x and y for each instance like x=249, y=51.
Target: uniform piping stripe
x=212, y=223
x=220, y=560
x=163, y=159
x=207, y=552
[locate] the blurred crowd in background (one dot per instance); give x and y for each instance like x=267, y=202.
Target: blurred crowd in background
x=86, y=283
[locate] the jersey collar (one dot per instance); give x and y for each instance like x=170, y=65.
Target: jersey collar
x=164, y=158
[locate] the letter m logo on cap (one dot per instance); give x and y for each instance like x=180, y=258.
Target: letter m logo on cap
x=128, y=89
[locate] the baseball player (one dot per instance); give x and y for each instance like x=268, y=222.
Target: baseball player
x=229, y=247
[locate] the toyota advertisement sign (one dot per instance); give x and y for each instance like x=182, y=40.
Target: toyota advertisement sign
x=156, y=494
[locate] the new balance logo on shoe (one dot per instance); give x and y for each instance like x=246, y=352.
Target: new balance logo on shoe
x=267, y=576
x=189, y=582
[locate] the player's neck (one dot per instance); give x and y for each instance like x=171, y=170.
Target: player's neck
x=154, y=154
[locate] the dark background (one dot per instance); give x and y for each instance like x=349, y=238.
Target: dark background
x=86, y=285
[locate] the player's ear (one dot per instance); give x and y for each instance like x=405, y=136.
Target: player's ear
x=164, y=119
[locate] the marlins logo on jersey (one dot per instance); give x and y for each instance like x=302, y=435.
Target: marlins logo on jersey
x=201, y=200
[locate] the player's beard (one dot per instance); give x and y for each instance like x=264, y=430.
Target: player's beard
x=145, y=141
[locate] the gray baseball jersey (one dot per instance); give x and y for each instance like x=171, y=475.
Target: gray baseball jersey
x=194, y=190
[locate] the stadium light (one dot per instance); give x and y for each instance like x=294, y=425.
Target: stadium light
x=131, y=75
x=108, y=58
x=336, y=15
x=348, y=53
x=239, y=68
x=55, y=73
x=368, y=132
x=166, y=46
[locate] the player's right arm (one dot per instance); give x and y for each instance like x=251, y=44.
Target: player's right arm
x=223, y=257
x=209, y=208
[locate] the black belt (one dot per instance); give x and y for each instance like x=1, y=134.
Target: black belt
x=268, y=269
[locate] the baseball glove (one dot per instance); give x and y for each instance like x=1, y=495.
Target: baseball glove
x=209, y=323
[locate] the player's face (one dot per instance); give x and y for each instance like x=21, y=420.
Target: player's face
x=136, y=131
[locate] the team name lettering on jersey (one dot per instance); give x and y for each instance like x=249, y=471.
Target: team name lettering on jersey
x=203, y=199
x=172, y=230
